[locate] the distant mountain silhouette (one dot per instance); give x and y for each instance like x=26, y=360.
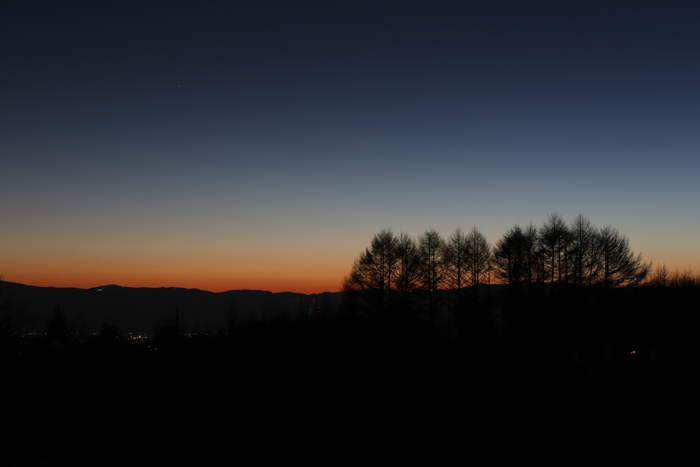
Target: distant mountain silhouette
x=142, y=309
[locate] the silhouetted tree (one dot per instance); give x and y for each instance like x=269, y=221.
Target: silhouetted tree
x=479, y=264
x=534, y=260
x=618, y=265
x=431, y=249
x=511, y=260
x=408, y=274
x=554, y=246
x=369, y=285
x=479, y=258
x=685, y=279
x=582, y=249
x=478, y=273
x=457, y=259
x=510, y=257
x=384, y=258
x=660, y=277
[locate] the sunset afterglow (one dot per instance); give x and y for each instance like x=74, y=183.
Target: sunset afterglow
x=232, y=148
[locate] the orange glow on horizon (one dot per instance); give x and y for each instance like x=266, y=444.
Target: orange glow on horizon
x=307, y=268
x=302, y=271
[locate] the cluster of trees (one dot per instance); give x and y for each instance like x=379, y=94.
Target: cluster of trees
x=387, y=275
x=578, y=253
x=664, y=277
x=397, y=274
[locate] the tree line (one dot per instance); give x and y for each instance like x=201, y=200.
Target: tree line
x=445, y=280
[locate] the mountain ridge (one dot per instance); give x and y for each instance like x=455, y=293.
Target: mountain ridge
x=142, y=309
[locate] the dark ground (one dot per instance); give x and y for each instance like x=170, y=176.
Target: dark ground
x=329, y=392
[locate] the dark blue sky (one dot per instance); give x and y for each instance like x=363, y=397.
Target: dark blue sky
x=234, y=146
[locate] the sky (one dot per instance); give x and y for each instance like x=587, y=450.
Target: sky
x=261, y=145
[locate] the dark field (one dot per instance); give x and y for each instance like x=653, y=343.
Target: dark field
x=339, y=391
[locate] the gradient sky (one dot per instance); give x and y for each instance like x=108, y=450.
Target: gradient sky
x=262, y=145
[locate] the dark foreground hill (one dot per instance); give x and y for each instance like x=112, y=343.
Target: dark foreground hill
x=338, y=391
x=142, y=309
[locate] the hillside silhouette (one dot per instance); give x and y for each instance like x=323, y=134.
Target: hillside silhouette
x=137, y=309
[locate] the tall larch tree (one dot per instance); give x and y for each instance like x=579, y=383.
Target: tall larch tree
x=456, y=258
x=431, y=248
